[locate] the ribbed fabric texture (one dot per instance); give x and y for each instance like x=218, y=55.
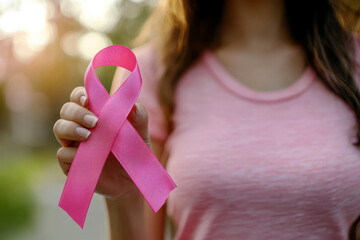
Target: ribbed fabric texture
x=255, y=165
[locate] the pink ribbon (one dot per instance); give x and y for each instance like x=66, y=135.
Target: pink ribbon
x=114, y=133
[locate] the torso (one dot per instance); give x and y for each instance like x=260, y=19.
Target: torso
x=251, y=163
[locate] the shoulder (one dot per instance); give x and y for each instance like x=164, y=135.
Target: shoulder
x=146, y=57
x=148, y=60
x=145, y=52
x=150, y=69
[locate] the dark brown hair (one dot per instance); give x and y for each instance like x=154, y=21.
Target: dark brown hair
x=183, y=29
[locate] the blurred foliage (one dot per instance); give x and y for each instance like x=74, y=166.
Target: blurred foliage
x=17, y=202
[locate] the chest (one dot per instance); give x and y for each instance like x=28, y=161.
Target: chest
x=294, y=155
x=284, y=66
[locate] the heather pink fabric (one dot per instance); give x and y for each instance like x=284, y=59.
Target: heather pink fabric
x=255, y=165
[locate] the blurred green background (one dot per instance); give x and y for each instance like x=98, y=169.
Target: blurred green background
x=45, y=47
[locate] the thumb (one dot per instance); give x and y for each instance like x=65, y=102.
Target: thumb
x=138, y=118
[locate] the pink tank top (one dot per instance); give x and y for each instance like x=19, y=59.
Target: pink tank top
x=255, y=165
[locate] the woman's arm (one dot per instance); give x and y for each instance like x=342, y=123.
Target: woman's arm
x=130, y=217
x=126, y=218
x=155, y=222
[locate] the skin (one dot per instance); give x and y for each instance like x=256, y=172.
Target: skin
x=256, y=44
x=255, y=34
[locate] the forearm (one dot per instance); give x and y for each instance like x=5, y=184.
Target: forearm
x=126, y=218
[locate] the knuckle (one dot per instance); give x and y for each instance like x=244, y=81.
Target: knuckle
x=64, y=109
x=70, y=111
x=63, y=128
x=60, y=154
x=57, y=126
x=76, y=93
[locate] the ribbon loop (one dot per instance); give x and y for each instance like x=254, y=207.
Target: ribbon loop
x=113, y=133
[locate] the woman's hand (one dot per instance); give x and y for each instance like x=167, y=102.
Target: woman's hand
x=73, y=128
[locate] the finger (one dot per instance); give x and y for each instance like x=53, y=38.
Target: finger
x=65, y=130
x=65, y=167
x=79, y=96
x=65, y=156
x=63, y=142
x=138, y=117
x=74, y=112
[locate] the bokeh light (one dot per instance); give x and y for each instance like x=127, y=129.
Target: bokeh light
x=28, y=16
x=90, y=43
x=93, y=14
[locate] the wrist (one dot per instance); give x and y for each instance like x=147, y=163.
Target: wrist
x=126, y=217
x=128, y=197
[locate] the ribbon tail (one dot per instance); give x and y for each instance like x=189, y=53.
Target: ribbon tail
x=82, y=179
x=142, y=166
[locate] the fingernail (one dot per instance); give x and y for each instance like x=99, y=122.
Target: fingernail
x=83, y=132
x=82, y=100
x=91, y=120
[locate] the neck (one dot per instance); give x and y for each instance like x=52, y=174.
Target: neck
x=255, y=25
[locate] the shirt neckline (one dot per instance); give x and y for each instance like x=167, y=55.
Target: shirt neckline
x=240, y=89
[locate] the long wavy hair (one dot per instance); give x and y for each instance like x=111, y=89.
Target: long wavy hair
x=183, y=29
